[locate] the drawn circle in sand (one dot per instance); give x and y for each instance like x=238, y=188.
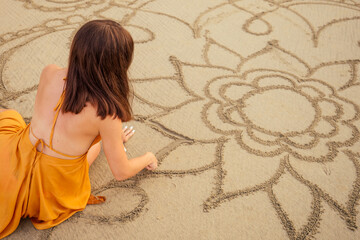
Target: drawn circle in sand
x=278, y=110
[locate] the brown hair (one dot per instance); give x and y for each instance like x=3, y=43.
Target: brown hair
x=100, y=56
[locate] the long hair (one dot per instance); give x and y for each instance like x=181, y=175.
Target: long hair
x=100, y=56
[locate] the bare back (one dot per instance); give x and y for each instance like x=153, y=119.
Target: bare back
x=73, y=133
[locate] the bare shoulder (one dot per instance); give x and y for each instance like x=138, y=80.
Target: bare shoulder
x=50, y=87
x=110, y=123
x=51, y=67
x=52, y=72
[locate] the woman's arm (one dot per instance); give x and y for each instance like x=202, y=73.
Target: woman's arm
x=121, y=167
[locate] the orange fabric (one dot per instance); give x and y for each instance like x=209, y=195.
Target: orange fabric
x=46, y=189
x=96, y=199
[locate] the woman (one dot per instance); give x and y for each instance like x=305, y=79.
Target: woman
x=44, y=165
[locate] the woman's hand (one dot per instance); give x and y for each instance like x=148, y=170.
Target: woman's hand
x=154, y=162
x=128, y=132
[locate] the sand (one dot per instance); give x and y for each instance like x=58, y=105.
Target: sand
x=252, y=108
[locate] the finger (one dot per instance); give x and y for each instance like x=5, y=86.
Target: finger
x=125, y=128
x=130, y=134
x=128, y=130
x=150, y=166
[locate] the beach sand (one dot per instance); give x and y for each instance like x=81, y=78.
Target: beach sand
x=251, y=107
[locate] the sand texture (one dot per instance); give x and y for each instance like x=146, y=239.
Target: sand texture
x=251, y=106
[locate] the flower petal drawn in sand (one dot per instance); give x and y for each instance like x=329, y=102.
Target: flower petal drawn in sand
x=270, y=110
x=305, y=11
x=133, y=200
x=272, y=106
x=64, y=6
x=256, y=19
